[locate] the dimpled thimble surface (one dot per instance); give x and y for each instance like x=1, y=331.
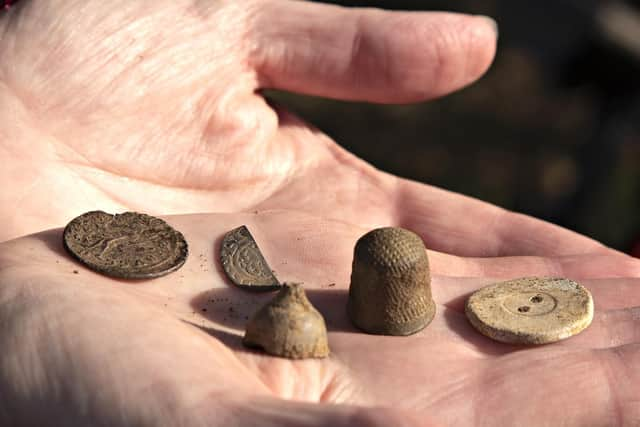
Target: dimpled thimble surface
x=390, y=291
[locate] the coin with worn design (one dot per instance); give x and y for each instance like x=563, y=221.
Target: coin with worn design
x=244, y=264
x=128, y=246
x=531, y=310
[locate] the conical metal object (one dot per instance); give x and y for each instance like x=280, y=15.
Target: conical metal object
x=390, y=291
x=288, y=326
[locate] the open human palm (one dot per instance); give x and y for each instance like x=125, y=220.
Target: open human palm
x=155, y=107
x=85, y=349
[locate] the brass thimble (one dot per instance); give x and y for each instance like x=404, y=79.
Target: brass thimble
x=390, y=291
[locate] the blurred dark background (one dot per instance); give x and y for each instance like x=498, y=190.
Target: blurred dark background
x=552, y=130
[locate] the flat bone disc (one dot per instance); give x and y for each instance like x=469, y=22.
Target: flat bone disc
x=244, y=264
x=531, y=310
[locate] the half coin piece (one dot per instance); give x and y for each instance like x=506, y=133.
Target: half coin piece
x=244, y=264
x=126, y=246
x=531, y=310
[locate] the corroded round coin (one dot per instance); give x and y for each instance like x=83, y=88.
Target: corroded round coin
x=531, y=310
x=129, y=245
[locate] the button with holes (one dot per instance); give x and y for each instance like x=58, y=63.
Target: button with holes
x=531, y=310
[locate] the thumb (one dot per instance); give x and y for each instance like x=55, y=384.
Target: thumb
x=368, y=54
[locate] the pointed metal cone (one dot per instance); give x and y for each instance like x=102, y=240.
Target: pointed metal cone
x=288, y=326
x=244, y=264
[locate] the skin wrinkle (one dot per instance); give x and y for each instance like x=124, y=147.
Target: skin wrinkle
x=111, y=195
x=502, y=217
x=273, y=54
x=340, y=388
x=549, y=238
x=120, y=171
x=376, y=66
x=237, y=184
x=622, y=324
x=554, y=266
x=263, y=47
x=610, y=357
x=495, y=246
x=355, y=50
x=463, y=378
x=333, y=391
x=498, y=377
x=364, y=171
x=216, y=403
x=20, y=200
x=632, y=405
x=438, y=66
x=297, y=380
x=406, y=218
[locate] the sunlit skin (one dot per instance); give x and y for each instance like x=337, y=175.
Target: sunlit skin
x=155, y=106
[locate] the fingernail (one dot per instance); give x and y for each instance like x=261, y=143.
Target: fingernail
x=491, y=22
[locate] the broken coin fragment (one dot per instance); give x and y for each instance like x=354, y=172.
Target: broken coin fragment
x=531, y=310
x=244, y=264
x=288, y=326
x=127, y=246
x=390, y=291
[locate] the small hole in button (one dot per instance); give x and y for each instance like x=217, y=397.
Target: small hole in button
x=536, y=299
x=523, y=309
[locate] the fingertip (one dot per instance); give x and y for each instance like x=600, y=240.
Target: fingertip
x=492, y=23
x=486, y=41
x=450, y=51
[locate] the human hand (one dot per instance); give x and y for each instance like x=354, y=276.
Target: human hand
x=152, y=106
x=81, y=348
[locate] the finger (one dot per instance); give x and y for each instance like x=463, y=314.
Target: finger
x=461, y=225
x=368, y=54
x=581, y=387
